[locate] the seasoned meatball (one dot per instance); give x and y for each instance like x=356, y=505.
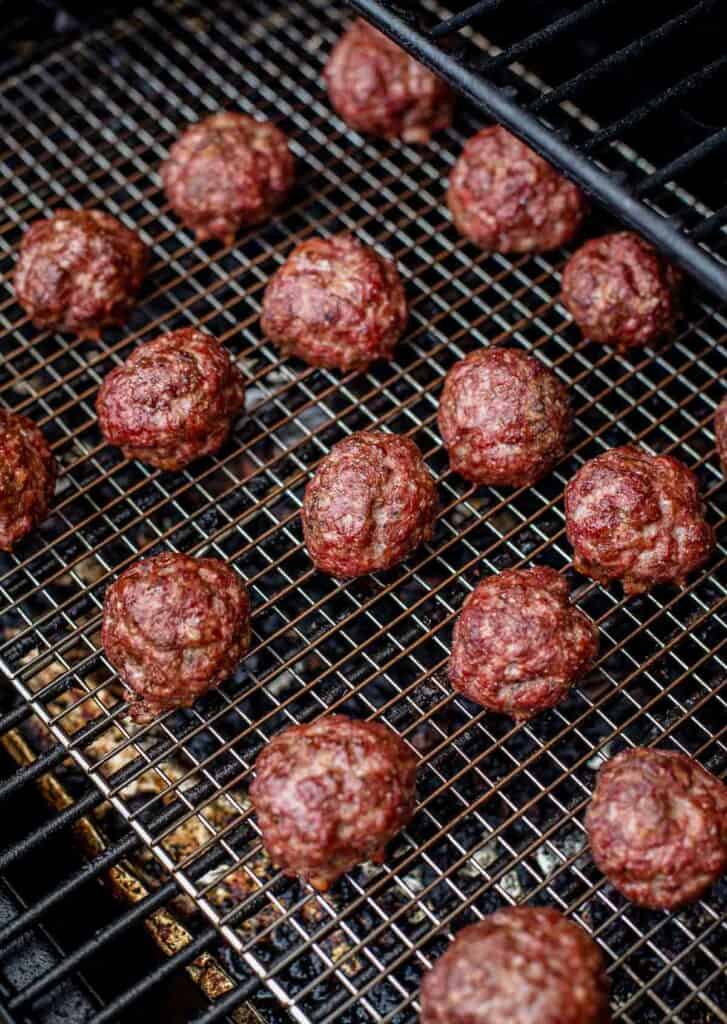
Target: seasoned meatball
x=27, y=478
x=506, y=198
x=638, y=518
x=331, y=794
x=518, y=644
x=227, y=172
x=720, y=431
x=79, y=271
x=504, y=418
x=371, y=502
x=621, y=291
x=523, y=965
x=335, y=303
x=172, y=401
x=657, y=825
x=376, y=87
x=173, y=627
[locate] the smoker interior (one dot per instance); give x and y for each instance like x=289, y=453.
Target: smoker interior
x=500, y=811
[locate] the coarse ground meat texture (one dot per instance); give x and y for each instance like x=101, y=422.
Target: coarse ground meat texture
x=504, y=417
x=172, y=401
x=335, y=303
x=376, y=87
x=173, y=627
x=371, y=502
x=638, y=518
x=720, y=431
x=519, y=645
x=657, y=826
x=520, y=965
x=621, y=291
x=79, y=271
x=227, y=172
x=331, y=794
x=27, y=478
x=506, y=198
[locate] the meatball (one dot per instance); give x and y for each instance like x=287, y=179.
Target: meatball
x=172, y=401
x=657, y=826
x=226, y=172
x=331, y=794
x=335, y=303
x=506, y=198
x=504, y=418
x=79, y=271
x=523, y=965
x=377, y=87
x=621, y=291
x=173, y=627
x=720, y=431
x=636, y=517
x=518, y=644
x=371, y=502
x=27, y=478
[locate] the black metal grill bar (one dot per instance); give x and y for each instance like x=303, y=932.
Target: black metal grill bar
x=465, y=17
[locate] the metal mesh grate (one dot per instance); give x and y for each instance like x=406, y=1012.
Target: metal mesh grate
x=500, y=810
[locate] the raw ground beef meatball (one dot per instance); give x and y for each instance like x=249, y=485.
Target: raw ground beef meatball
x=522, y=965
x=173, y=627
x=27, y=478
x=331, y=794
x=506, y=198
x=504, y=417
x=227, y=172
x=519, y=645
x=79, y=271
x=371, y=502
x=172, y=401
x=657, y=826
x=335, y=303
x=376, y=87
x=638, y=518
x=621, y=291
x=720, y=431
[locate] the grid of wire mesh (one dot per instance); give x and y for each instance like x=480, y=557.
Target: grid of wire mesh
x=499, y=817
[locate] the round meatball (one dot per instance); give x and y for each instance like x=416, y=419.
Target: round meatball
x=504, y=418
x=519, y=645
x=376, y=87
x=371, y=502
x=331, y=794
x=172, y=401
x=506, y=198
x=657, y=826
x=638, y=518
x=720, y=431
x=227, y=172
x=79, y=271
x=523, y=965
x=621, y=291
x=27, y=478
x=335, y=303
x=173, y=627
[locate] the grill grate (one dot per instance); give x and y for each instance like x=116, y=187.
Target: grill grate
x=500, y=806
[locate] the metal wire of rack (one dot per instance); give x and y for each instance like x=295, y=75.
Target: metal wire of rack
x=500, y=806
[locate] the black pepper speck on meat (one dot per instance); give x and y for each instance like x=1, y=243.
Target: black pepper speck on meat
x=371, y=502
x=657, y=826
x=377, y=88
x=506, y=198
x=519, y=645
x=173, y=627
x=172, y=401
x=335, y=303
x=331, y=794
x=79, y=271
x=720, y=431
x=520, y=965
x=637, y=518
x=504, y=417
x=27, y=478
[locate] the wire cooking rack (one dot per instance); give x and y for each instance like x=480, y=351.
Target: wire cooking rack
x=499, y=816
